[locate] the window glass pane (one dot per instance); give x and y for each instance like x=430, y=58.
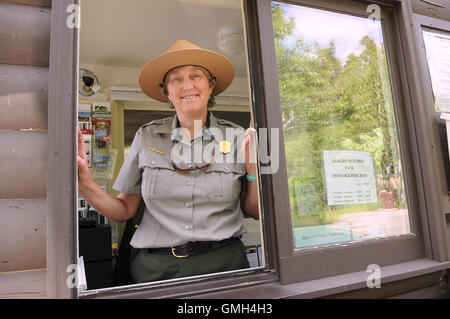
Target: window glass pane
x=344, y=165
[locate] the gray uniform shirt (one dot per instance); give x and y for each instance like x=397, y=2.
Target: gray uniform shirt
x=185, y=205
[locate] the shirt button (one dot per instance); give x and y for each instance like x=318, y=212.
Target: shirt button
x=187, y=204
x=153, y=162
x=186, y=227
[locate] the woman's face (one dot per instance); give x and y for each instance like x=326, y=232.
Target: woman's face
x=189, y=89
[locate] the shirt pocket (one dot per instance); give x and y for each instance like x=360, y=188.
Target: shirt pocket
x=157, y=174
x=223, y=181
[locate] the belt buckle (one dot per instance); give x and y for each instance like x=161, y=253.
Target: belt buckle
x=178, y=256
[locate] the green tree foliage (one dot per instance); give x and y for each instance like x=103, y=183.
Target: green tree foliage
x=330, y=105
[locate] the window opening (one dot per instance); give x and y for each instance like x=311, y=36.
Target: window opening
x=112, y=107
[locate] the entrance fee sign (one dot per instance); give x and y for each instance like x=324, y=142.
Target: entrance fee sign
x=349, y=177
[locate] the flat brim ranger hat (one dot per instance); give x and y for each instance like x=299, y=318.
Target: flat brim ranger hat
x=180, y=54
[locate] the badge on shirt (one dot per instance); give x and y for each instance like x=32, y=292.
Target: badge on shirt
x=225, y=147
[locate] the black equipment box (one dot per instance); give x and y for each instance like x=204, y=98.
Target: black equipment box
x=95, y=247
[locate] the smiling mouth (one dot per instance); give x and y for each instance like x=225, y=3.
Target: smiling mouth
x=190, y=97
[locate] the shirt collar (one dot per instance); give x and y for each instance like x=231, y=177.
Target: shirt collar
x=174, y=128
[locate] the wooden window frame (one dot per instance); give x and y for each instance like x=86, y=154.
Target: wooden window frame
x=62, y=144
x=281, y=276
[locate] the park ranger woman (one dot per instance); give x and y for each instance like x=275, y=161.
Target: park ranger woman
x=180, y=167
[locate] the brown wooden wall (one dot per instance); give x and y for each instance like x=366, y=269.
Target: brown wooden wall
x=24, y=74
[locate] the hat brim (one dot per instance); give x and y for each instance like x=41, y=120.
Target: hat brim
x=153, y=72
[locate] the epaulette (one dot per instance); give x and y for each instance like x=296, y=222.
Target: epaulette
x=156, y=122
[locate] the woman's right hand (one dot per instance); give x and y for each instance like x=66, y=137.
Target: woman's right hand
x=119, y=208
x=83, y=169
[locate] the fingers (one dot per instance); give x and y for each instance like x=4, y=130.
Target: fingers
x=80, y=135
x=82, y=163
x=249, y=135
x=84, y=176
x=250, y=130
x=83, y=168
x=248, y=146
x=81, y=146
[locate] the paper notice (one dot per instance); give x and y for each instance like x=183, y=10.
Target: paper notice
x=437, y=47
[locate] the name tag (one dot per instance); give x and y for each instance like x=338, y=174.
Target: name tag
x=154, y=149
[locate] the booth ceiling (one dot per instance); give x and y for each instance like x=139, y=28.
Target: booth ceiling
x=129, y=33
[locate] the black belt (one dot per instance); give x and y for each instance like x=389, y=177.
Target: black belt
x=192, y=248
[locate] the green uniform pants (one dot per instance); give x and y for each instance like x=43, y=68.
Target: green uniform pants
x=153, y=267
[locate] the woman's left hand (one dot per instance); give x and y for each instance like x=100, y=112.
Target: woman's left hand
x=250, y=196
x=248, y=151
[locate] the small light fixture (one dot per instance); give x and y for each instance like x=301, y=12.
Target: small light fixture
x=230, y=40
